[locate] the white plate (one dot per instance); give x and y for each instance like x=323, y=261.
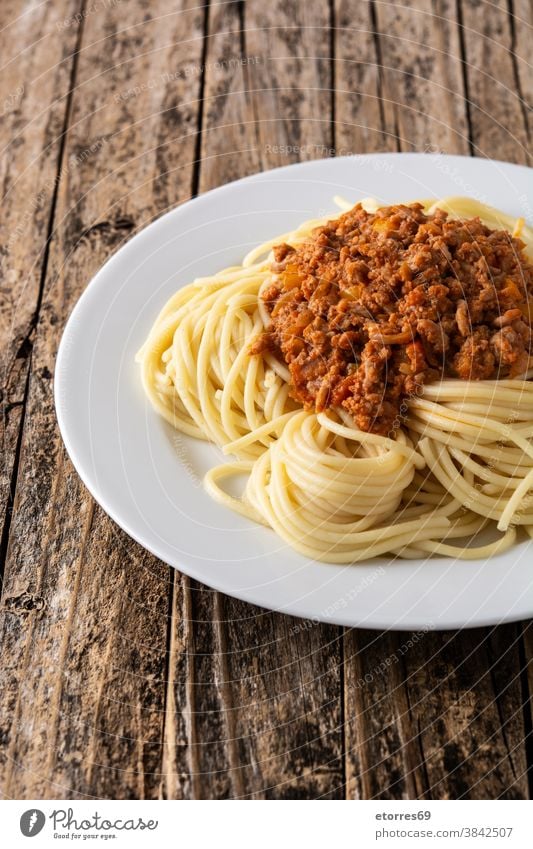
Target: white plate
x=148, y=478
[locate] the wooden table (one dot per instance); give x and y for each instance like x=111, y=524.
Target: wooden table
x=119, y=677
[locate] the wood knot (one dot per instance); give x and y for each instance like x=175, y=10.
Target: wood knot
x=24, y=604
x=110, y=230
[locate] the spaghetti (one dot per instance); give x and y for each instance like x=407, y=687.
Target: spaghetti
x=460, y=462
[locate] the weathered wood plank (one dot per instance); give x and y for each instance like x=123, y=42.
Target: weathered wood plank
x=422, y=75
x=468, y=715
x=36, y=69
x=197, y=712
x=419, y=86
x=363, y=119
x=521, y=27
x=527, y=698
x=435, y=715
x=286, y=683
x=498, y=82
x=196, y=720
x=261, y=694
x=413, y=730
x=228, y=143
x=83, y=619
x=291, y=79
x=288, y=707
x=382, y=757
x=499, y=119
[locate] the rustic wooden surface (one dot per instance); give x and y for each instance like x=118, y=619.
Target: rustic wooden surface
x=120, y=678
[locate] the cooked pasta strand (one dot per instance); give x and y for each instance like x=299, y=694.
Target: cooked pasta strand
x=462, y=460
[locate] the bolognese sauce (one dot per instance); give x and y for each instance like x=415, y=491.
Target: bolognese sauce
x=374, y=305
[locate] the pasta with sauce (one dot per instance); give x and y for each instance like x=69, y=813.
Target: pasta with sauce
x=423, y=460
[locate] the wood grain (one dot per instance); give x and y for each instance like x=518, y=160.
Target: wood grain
x=498, y=115
x=521, y=30
x=392, y=749
x=262, y=699
x=399, y=77
x=363, y=122
x=121, y=678
x=37, y=67
x=83, y=687
x=292, y=82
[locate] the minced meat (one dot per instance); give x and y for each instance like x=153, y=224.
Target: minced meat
x=374, y=305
